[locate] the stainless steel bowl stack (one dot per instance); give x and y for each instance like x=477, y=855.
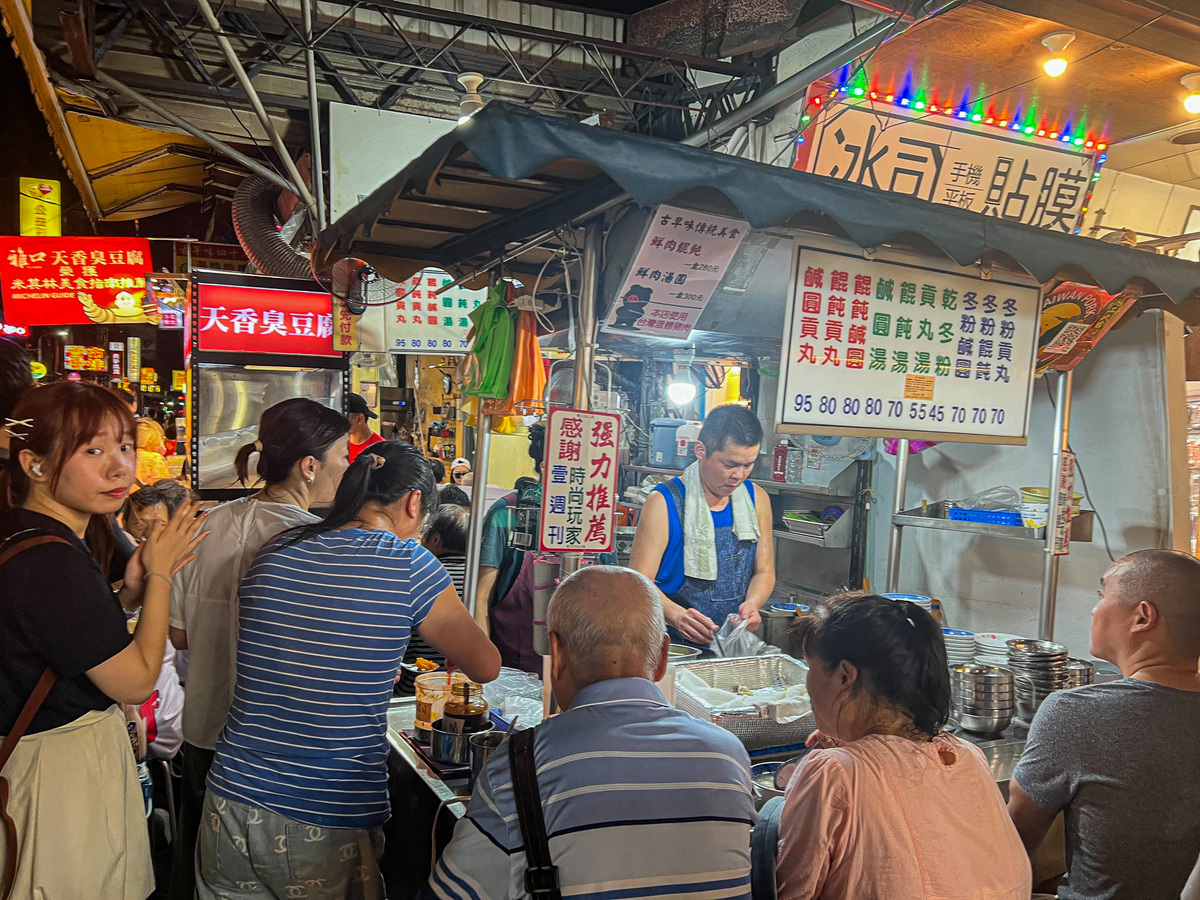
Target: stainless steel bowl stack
x=1039, y=669
x=982, y=697
x=1080, y=672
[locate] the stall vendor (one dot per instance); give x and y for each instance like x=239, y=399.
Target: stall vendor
x=700, y=535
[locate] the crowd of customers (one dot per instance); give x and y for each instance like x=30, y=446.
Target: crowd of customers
x=287, y=628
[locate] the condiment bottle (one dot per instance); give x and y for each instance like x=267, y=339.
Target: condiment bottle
x=779, y=463
x=466, y=712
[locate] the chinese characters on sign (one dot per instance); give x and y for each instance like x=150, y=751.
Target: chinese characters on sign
x=238, y=319
x=936, y=160
x=77, y=358
x=1066, y=494
x=40, y=207
x=895, y=348
x=580, y=490
x=133, y=358
x=230, y=257
x=682, y=259
x=425, y=321
x=76, y=281
x=7, y=330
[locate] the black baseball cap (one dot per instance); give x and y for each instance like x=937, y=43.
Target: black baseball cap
x=358, y=405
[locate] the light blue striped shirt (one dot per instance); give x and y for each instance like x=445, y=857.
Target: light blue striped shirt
x=640, y=800
x=321, y=632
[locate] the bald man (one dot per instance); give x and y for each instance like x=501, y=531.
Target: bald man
x=1123, y=759
x=639, y=798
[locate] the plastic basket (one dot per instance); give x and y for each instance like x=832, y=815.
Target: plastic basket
x=985, y=516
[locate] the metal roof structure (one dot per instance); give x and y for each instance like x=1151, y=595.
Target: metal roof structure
x=511, y=175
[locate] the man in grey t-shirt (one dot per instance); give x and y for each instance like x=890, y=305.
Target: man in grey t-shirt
x=1122, y=760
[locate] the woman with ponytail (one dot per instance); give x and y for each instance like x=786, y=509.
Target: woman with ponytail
x=326, y=612
x=74, y=812
x=301, y=453
x=889, y=805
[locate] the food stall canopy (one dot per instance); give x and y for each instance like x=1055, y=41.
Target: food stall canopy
x=510, y=174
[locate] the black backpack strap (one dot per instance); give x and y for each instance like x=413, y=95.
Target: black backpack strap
x=541, y=875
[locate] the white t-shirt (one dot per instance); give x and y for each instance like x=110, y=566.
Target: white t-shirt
x=204, y=604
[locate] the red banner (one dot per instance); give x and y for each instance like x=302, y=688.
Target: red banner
x=75, y=280
x=265, y=320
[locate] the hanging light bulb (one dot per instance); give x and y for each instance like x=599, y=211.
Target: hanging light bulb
x=471, y=102
x=1192, y=101
x=1056, y=42
x=681, y=393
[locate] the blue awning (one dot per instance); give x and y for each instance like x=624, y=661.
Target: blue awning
x=509, y=174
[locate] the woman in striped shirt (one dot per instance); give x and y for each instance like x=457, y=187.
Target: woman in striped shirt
x=298, y=789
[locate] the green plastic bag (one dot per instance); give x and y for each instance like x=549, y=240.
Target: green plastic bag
x=488, y=366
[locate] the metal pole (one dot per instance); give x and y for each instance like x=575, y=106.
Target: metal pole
x=901, y=487
x=479, y=507
x=300, y=189
x=216, y=143
x=799, y=82
x=1062, y=432
x=314, y=110
x=585, y=341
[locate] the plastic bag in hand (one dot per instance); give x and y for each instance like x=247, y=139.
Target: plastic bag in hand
x=734, y=638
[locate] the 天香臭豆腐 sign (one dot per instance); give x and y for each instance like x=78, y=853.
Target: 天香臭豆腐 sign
x=76, y=281
x=238, y=319
x=906, y=346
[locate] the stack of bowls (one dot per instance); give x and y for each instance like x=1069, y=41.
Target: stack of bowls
x=1039, y=669
x=982, y=697
x=992, y=649
x=960, y=646
x=917, y=599
x=1080, y=672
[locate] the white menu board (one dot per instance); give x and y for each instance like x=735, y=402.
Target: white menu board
x=903, y=345
x=579, y=490
x=424, y=321
x=682, y=259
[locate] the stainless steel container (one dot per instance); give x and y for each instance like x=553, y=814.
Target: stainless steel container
x=452, y=746
x=776, y=625
x=482, y=745
x=983, y=697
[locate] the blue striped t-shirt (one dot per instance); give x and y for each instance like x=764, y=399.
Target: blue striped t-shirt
x=321, y=632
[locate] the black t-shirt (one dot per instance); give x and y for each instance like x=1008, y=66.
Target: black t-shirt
x=57, y=610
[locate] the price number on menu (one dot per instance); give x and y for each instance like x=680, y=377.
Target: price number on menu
x=897, y=409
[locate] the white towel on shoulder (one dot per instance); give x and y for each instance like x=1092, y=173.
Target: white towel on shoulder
x=699, y=534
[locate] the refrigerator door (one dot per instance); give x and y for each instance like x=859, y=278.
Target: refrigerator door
x=230, y=400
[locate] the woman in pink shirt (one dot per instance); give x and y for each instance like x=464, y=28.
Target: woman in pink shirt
x=888, y=807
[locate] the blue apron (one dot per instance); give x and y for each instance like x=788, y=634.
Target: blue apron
x=735, y=566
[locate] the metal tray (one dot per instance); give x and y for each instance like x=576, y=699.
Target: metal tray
x=753, y=724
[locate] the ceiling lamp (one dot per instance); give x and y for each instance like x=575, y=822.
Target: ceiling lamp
x=1192, y=101
x=681, y=392
x=1056, y=42
x=471, y=103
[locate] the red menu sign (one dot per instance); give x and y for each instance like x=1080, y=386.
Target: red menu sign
x=75, y=280
x=237, y=319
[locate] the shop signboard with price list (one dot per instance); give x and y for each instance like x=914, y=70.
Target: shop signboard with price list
x=902, y=345
x=580, y=482
x=682, y=258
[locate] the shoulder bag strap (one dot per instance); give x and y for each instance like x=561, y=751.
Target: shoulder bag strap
x=28, y=711
x=541, y=875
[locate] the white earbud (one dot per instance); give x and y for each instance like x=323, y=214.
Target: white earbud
x=37, y=469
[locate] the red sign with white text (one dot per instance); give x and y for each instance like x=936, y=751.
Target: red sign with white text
x=76, y=281
x=234, y=319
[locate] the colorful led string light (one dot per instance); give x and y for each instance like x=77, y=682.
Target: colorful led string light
x=855, y=87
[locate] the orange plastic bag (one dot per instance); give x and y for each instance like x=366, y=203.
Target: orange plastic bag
x=527, y=383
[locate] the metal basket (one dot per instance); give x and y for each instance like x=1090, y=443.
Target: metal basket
x=752, y=725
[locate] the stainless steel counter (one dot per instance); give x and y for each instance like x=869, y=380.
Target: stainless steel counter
x=1003, y=751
